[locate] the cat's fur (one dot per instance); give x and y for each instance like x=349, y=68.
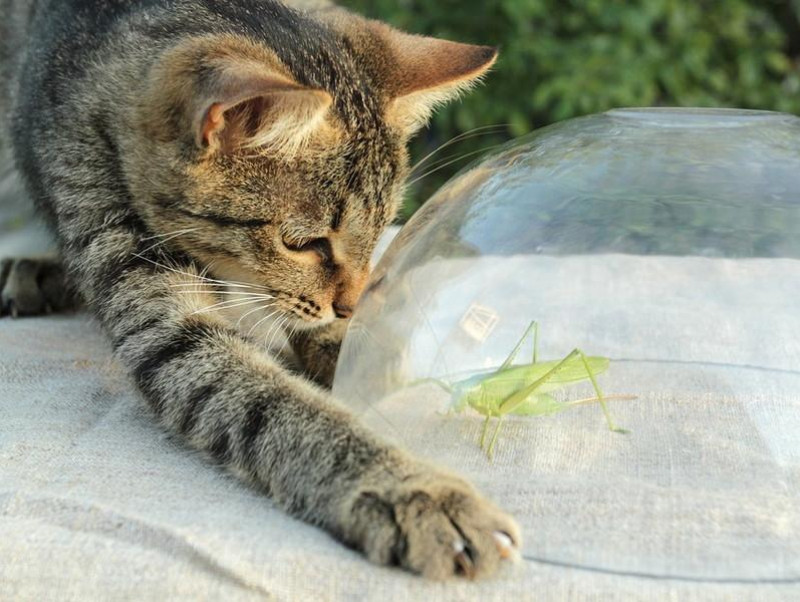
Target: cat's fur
x=191, y=153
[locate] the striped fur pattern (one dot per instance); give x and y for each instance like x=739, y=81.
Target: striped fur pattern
x=217, y=173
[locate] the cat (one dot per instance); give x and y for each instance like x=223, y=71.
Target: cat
x=211, y=167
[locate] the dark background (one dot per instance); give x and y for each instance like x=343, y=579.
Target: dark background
x=565, y=58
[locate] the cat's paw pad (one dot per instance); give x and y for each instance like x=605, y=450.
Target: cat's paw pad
x=436, y=526
x=31, y=287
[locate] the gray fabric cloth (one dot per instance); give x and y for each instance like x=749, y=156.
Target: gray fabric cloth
x=97, y=503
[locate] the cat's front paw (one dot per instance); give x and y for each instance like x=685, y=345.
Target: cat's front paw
x=433, y=524
x=31, y=287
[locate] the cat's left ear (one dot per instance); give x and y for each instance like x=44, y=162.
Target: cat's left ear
x=228, y=94
x=249, y=106
x=426, y=72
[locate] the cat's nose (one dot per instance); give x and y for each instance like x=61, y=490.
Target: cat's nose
x=342, y=311
x=349, y=287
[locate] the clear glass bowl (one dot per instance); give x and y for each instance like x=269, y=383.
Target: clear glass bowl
x=667, y=241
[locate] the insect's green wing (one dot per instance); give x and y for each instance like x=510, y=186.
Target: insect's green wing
x=486, y=397
x=573, y=371
x=486, y=392
x=540, y=404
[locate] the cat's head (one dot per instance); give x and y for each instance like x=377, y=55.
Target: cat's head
x=280, y=164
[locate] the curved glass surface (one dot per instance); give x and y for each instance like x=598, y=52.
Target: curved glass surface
x=665, y=245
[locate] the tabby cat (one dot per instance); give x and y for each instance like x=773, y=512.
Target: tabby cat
x=217, y=170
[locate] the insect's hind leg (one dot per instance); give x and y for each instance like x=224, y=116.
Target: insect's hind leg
x=31, y=287
x=513, y=401
x=485, y=431
x=490, y=451
x=599, y=392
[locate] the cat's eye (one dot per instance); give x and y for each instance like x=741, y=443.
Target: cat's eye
x=320, y=246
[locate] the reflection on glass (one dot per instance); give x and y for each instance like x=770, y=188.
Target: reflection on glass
x=667, y=241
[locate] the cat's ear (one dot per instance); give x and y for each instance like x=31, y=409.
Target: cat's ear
x=227, y=94
x=247, y=106
x=427, y=72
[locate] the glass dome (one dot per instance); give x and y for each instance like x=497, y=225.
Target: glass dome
x=665, y=245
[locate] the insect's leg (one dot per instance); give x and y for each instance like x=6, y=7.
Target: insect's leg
x=600, y=397
x=533, y=327
x=490, y=451
x=485, y=430
x=513, y=401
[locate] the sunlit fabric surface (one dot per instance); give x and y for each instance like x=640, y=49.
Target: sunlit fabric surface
x=97, y=503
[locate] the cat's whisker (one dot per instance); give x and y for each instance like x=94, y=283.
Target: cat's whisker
x=230, y=283
x=202, y=279
x=363, y=339
x=292, y=332
x=236, y=284
x=486, y=130
x=457, y=159
x=170, y=234
x=214, y=288
x=361, y=334
x=278, y=330
x=271, y=328
x=193, y=288
x=230, y=304
x=242, y=296
x=260, y=321
x=243, y=316
x=236, y=302
x=163, y=239
x=179, y=272
x=282, y=330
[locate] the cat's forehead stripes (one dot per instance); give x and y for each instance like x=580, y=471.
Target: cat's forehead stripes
x=336, y=219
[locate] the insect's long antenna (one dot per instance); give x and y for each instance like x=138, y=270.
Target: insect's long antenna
x=435, y=381
x=588, y=400
x=532, y=327
x=432, y=330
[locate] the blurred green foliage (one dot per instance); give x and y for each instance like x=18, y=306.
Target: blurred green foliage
x=565, y=58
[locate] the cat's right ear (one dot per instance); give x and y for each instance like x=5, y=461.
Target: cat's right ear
x=229, y=98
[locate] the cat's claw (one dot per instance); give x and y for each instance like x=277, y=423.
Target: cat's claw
x=464, y=564
x=505, y=545
x=435, y=525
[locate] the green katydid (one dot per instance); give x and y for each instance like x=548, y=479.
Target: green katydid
x=524, y=389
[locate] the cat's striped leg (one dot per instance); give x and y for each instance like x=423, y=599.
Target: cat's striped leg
x=318, y=351
x=230, y=400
